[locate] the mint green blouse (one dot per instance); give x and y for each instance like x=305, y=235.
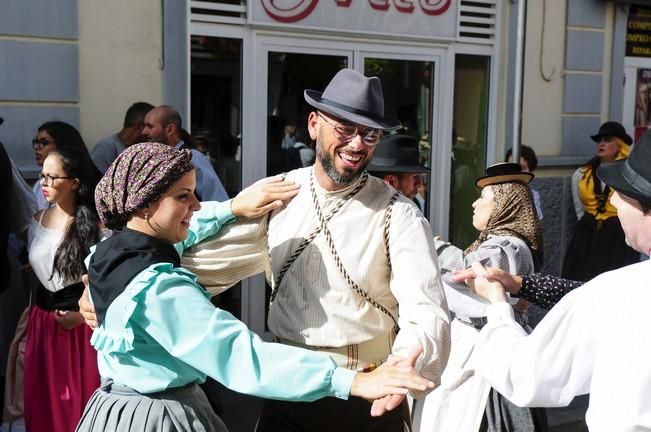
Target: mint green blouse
x=163, y=332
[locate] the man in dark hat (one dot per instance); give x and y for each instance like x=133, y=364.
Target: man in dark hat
x=596, y=339
x=350, y=261
x=397, y=162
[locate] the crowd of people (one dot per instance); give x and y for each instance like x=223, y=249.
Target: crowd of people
x=378, y=325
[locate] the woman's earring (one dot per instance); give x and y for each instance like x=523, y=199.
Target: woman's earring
x=147, y=216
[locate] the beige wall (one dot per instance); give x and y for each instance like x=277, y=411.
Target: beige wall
x=120, y=53
x=542, y=109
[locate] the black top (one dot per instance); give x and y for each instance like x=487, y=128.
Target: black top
x=119, y=259
x=545, y=290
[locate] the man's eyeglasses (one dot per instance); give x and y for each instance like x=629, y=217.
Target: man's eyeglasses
x=347, y=132
x=39, y=143
x=48, y=180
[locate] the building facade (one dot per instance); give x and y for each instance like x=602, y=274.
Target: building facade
x=236, y=70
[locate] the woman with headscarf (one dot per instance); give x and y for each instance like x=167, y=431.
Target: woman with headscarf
x=598, y=244
x=510, y=238
x=158, y=333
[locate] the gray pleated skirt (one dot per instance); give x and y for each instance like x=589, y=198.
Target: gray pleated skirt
x=117, y=408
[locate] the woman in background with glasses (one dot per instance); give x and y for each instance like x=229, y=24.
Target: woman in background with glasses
x=51, y=136
x=60, y=364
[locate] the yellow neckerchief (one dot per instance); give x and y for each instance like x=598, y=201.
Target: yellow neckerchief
x=598, y=205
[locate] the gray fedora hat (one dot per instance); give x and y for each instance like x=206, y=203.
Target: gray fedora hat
x=397, y=154
x=631, y=176
x=354, y=97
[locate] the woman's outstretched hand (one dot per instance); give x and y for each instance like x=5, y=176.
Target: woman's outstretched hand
x=264, y=196
x=390, y=382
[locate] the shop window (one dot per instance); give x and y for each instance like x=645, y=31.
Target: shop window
x=468, y=143
x=289, y=75
x=216, y=119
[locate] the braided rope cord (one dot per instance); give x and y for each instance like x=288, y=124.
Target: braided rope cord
x=387, y=224
x=340, y=266
x=307, y=240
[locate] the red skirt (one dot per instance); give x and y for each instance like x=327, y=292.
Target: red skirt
x=60, y=373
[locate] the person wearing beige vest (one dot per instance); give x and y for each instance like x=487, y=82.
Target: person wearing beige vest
x=351, y=263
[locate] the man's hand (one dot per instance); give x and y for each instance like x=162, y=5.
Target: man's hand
x=86, y=309
x=263, y=196
x=491, y=291
x=511, y=283
x=382, y=405
x=393, y=380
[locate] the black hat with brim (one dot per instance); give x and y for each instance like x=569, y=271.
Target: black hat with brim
x=504, y=172
x=612, y=129
x=353, y=97
x=631, y=176
x=397, y=154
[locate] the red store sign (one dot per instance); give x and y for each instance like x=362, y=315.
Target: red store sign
x=435, y=18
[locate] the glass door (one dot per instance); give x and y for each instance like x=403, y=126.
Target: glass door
x=407, y=85
x=281, y=67
x=469, y=142
x=288, y=75
x=216, y=121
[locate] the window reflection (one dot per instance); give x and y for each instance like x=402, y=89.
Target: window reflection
x=288, y=144
x=216, y=105
x=215, y=112
x=468, y=143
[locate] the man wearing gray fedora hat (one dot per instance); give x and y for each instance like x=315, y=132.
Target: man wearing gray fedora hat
x=397, y=162
x=596, y=338
x=345, y=262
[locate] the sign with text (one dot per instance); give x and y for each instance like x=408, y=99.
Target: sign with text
x=434, y=18
x=638, y=32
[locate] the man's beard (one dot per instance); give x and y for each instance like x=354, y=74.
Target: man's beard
x=345, y=179
x=161, y=139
